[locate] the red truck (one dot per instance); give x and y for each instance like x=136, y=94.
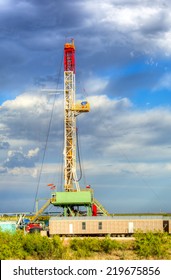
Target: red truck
x=33, y=227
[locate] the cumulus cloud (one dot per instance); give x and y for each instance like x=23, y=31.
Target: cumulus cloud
x=117, y=131
x=33, y=153
x=117, y=140
x=114, y=129
x=104, y=37
x=17, y=159
x=96, y=85
x=164, y=82
x=113, y=119
x=24, y=171
x=122, y=54
x=27, y=117
x=136, y=25
x=126, y=168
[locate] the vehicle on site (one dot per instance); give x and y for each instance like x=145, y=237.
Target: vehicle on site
x=32, y=224
x=33, y=227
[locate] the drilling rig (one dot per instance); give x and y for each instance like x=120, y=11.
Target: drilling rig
x=73, y=200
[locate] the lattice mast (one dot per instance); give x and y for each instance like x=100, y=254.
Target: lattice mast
x=71, y=111
x=69, y=118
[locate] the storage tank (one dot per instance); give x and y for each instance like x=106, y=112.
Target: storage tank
x=8, y=226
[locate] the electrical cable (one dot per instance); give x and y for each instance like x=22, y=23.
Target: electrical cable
x=79, y=159
x=47, y=136
x=62, y=162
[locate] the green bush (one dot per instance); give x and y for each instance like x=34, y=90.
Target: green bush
x=86, y=246
x=108, y=245
x=152, y=244
x=37, y=246
x=83, y=247
x=34, y=246
x=30, y=246
x=11, y=245
x=58, y=249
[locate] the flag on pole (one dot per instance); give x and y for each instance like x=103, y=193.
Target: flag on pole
x=52, y=186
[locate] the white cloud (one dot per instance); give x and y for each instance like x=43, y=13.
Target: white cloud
x=96, y=85
x=129, y=18
x=104, y=102
x=27, y=117
x=144, y=26
x=117, y=141
x=111, y=125
x=17, y=159
x=127, y=168
x=164, y=82
x=26, y=101
x=22, y=171
x=33, y=152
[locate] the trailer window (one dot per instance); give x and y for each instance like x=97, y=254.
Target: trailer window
x=83, y=225
x=100, y=225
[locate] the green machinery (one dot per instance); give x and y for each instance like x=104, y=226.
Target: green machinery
x=72, y=202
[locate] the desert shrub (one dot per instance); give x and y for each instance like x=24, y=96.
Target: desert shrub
x=58, y=249
x=30, y=246
x=5, y=252
x=16, y=245
x=108, y=245
x=85, y=246
x=152, y=244
x=11, y=245
x=42, y=247
x=38, y=246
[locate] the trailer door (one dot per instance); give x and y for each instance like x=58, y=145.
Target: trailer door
x=130, y=227
x=70, y=228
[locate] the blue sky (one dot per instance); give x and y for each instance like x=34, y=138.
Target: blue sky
x=123, y=51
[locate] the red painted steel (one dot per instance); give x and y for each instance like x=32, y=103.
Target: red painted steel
x=69, y=56
x=94, y=210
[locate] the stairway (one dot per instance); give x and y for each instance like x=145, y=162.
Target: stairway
x=101, y=208
x=41, y=210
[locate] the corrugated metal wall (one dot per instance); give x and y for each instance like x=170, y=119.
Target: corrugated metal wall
x=102, y=226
